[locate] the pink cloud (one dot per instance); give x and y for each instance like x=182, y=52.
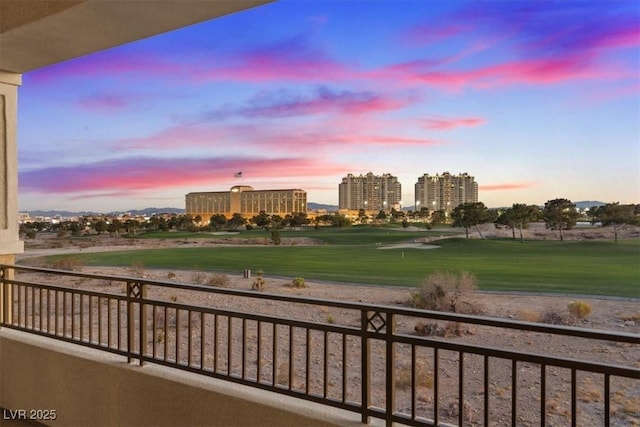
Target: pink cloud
x=508, y=186
x=134, y=174
x=183, y=135
x=443, y=123
x=525, y=71
x=313, y=142
x=548, y=43
x=260, y=67
x=104, y=103
x=111, y=63
x=284, y=103
x=293, y=59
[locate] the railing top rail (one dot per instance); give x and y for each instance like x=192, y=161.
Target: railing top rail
x=402, y=311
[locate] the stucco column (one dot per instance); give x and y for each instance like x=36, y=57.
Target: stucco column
x=10, y=243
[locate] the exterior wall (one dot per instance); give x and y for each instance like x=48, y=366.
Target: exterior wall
x=9, y=239
x=88, y=387
x=280, y=202
x=446, y=191
x=370, y=192
x=246, y=201
x=207, y=204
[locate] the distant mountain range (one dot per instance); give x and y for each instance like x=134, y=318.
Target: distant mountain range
x=144, y=212
x=319, y=206
x=150, y=211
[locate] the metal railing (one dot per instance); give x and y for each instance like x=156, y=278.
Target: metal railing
x=359, y=357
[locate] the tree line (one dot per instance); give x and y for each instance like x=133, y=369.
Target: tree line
x=557, y=214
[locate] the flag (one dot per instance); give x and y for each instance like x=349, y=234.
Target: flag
x=238, y=175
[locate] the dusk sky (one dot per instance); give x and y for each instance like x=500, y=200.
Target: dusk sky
x=536, y=99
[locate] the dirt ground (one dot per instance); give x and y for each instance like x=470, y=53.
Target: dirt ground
x=615, y=314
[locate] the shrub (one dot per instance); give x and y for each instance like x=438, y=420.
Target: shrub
x=275, y=237
x=422, y=373
x=446, y=291
x=171, y=275
x=429, y=329
x=554, y=318
x=219, y=280
x=579, y=309
x=259, y=282
x=198, y=278
x=527, y=315
x=298, y=282
x=634, y=317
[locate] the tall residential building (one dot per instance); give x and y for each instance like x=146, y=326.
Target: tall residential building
x=445, y=192
x=369, y=192
x=246, y=201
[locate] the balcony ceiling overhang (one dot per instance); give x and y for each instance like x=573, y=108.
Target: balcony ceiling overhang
x=37, y=33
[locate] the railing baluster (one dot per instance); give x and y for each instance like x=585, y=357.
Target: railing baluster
x=56, y=312
x=143, y=322
x=81, y=319
x=203, y=341
x=90, y=316
x=243, y=349
x=574, y=408
x=344, y=367
x=189, y=337
x=177, y=341
x=274, y=354
x=40, y=311
x=229, y=345
x=154, y=329
x=543, y=394
x=215, y=343
x=73, y=314
x=325, y=379
x=290, y=357
x=607, y=391
x=308, y=362
x=130, y=322
x=460, y=388
x=259, y=352
x=414, y=373
x=365, y=368
x=436, y=389
x=109, y=322
x=486, y=390
x=514, y=392
x=390, y=367
x=33, y=308
x=165, y=353
x=64, y=312
x=119, y=325
x=19, y=303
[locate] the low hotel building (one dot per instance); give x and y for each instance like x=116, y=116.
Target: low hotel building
x=246, y=201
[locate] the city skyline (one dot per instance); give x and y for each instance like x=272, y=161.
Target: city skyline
x=536, y=100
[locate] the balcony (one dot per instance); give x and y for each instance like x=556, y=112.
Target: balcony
x=365, y=364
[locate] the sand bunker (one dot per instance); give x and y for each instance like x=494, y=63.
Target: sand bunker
x=409, y=246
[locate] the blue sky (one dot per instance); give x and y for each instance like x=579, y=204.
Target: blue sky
x=537, y=100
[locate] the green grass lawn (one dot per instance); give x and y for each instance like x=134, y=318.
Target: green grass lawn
x=352, y=255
